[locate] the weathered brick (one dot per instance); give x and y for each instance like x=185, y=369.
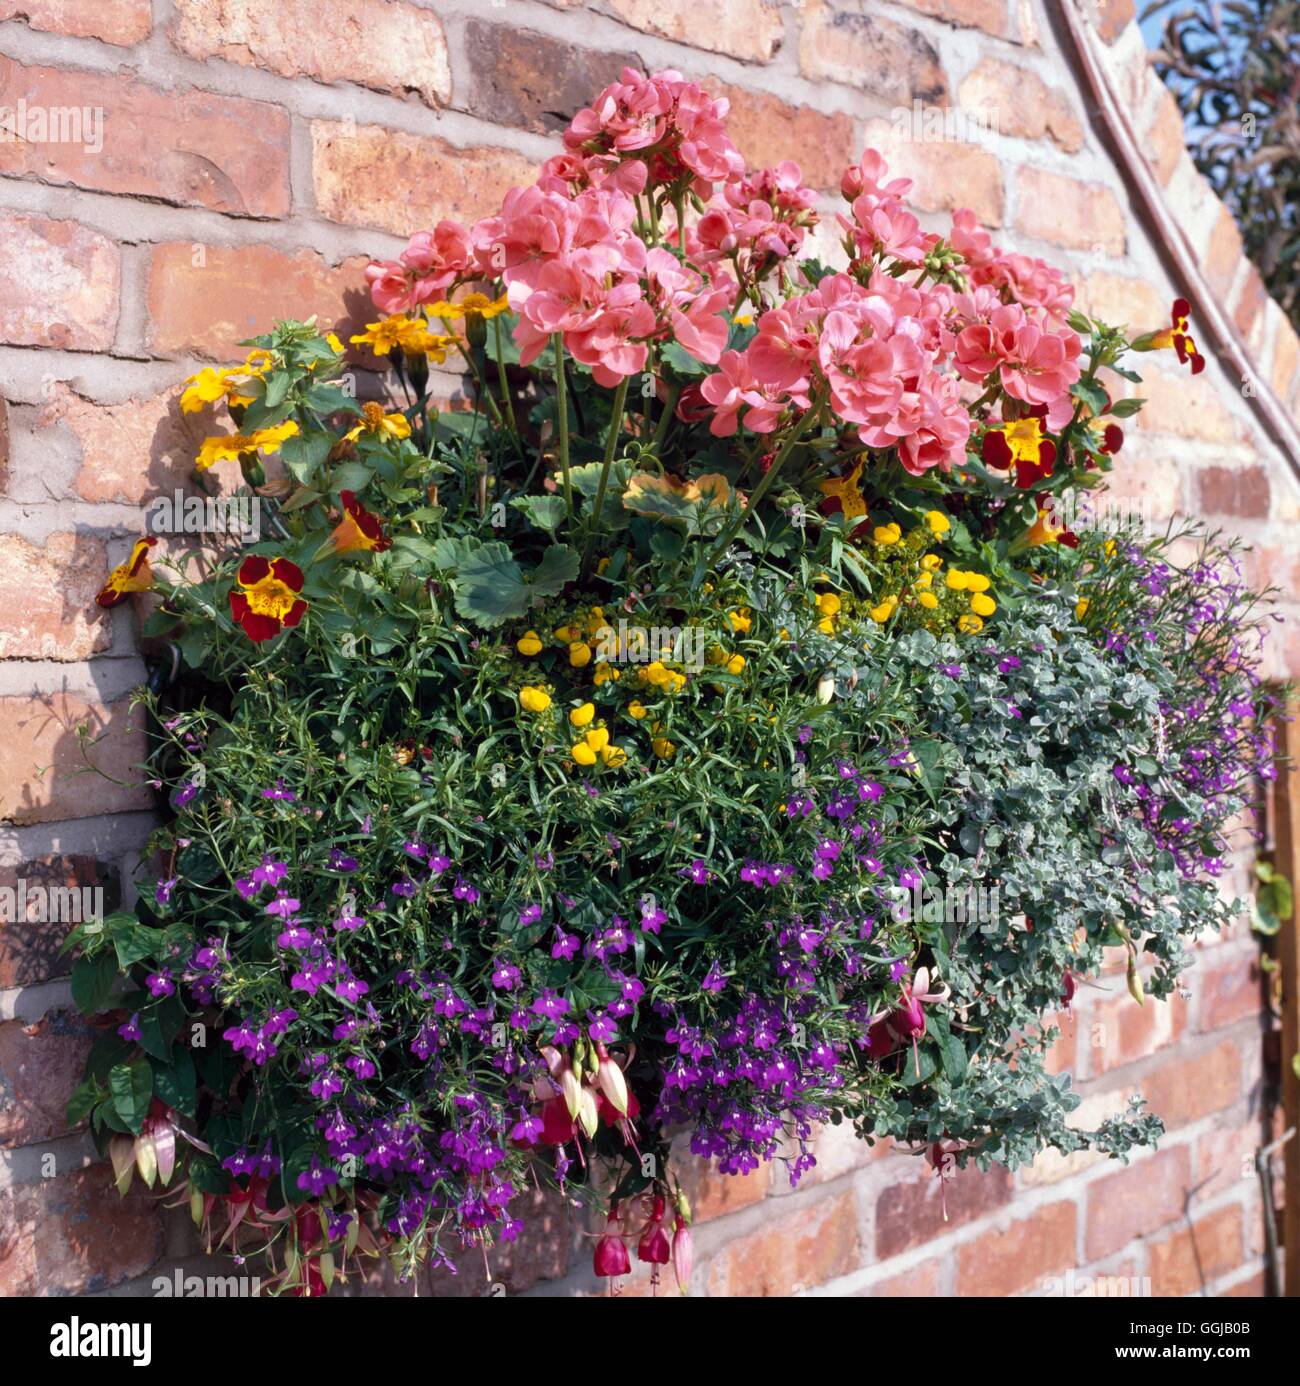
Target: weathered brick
x=1250, y=304
x=363, y=176
x=766, y=130
x=40, y=1065
x=989, y=15
x=1016, y=101
x=746, y=29
x=120, y=22
x=842, y=41
x=187, y=147
x=29, y=944
x=1243, y=491
x=1226, y=985
x=1120, y=1031
x=1185, y=1089
x=1286, y=355
x=1135, y=1201
x=713, y=1194
x=45, y=774
x=921, y=1282
x=59, y=284
x=528, y=80
x=1186, y=1261
x=912, y=1211
x=75, y=1233
x=47, y=597
x=1165, y=141
x=793, y=1249
x=838, y=1151
x=1112, y=18
x=946, y=174
x=1120, y=300
x=388, y=45
x=541, y=1251
x=4, y=445
x=133, y=450
x=1181, y=405
x=207, y=299
x=1223, y=253
x=1067, y=212
x=1004, y=1261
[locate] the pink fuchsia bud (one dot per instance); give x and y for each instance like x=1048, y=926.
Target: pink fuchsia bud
x=653, y=1246
x=1067, y=987
x=682, y=1256
x=611, y=1080
x=611, y=1256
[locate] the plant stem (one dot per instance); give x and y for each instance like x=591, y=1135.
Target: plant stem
x=501, y=377
x=674, y=393
x=611, y=441
x=727, y=534
x=562, y=404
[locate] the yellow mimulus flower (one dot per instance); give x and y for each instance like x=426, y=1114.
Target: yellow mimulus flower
x=210, y=385
x=740, y=621
x=473, y=305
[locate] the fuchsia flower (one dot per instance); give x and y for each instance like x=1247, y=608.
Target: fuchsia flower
x=611, y=1258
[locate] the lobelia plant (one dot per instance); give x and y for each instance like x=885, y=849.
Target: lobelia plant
x=587, y=762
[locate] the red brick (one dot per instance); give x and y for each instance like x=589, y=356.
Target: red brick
x=40, y=1065
x=526, y=80
x=133, y=450
x=1250, y=303
x=1121, y=301
x=189, y=147
x=921, y=1282
x=946, y=174
x=364, y=175
x=1286, y=354
x=120, y=22
x=1223, y=254
x=1120, y=1031
x=43, y=769
x=47, y=597
x=1165, y=142
x=74, y=1233
x=1227, y=986
x=989, y=15
x=1005, y=1261
x=766, y=130
x=29, y=948
x=746, y=29
x=1067, y=212
x=1018, y=102
x=4, y=445
x=839, y=1151
x=1243, y=491
x=1135, y=1201
x=1186, y=1261
x=206, y=299
x=791, y=1250
x=713, y=1194
x=1112, y=17
x=841, y=41
x=1253, y=1287
x=911, y=1212
x=388, y=45
x=542, y=1251
x=1181, y=405
x=1184, y=1089
x=58, y=284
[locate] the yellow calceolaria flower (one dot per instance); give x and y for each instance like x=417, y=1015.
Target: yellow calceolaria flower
x=596, y=743
x=567, y=635
x=597, y=738
x=579, y=654
x=606, y=673
x=939, y=524
x=956, y=580
x=826, y=625
x=887, y=534
x=375, y=420
x=581, y=716
x=637, y=710
x=473, y=305
x=228, y=447
x=976, y=582
x=613, y=756
x=210, y=385
x=829, y=604
x=1081, y=608
x=582, y=753
x=880, y=614
x=735, y=664
x=969, y=624
x=924, y=581
x=928, y=600
x=663, y=748
x=740, y=621
x=534, y=699
x=982, y=604
x=529, y=644
x=931, y=562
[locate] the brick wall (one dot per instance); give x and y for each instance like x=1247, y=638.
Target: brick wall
x=255, y=153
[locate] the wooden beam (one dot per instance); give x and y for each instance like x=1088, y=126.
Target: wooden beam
x=1286, y=818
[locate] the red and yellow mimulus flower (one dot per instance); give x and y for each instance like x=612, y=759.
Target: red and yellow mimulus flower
x=135, y=575
x=1177, y=336
x=1021, y=444
x=358, y=529
x=269, y=601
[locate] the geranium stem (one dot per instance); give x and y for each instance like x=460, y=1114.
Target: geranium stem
x=674, y=393
x=611, y=442
x=506, y=401
x=562, y=407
